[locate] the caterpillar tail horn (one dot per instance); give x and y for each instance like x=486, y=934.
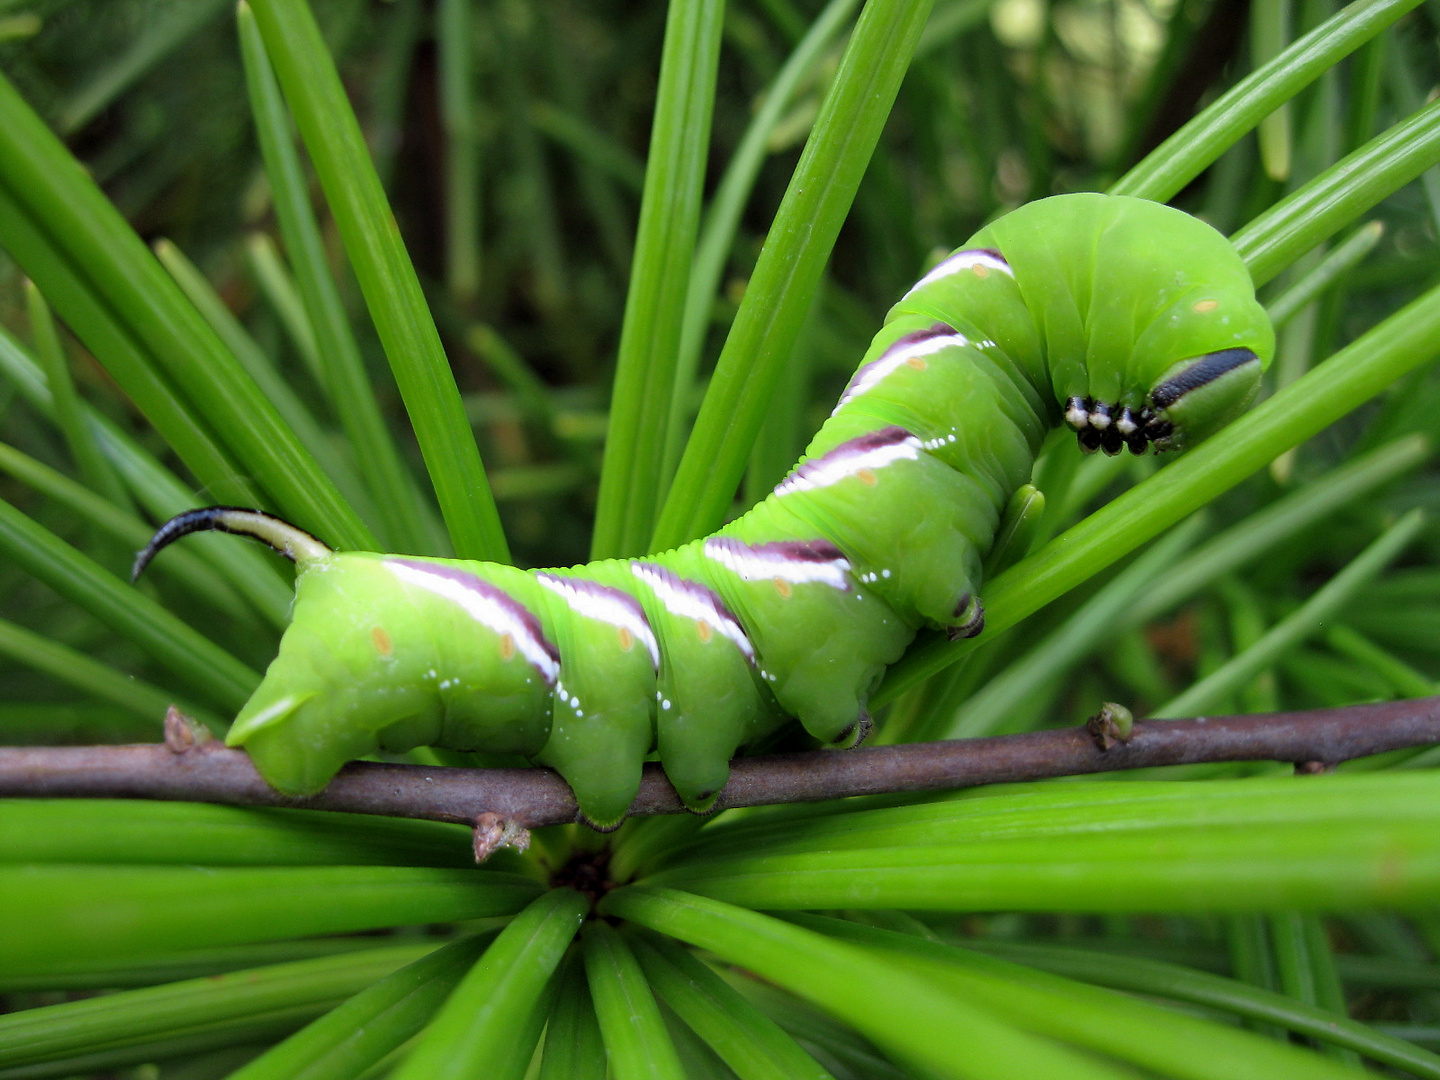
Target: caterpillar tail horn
x=294, y=543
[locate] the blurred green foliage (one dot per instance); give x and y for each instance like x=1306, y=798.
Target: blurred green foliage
x=985, y=933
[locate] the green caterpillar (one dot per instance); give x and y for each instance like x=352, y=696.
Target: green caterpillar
x=1133, y=323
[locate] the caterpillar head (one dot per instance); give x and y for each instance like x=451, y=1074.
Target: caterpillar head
x=1191, y=401
x=1173, y=331
x=1150, y=329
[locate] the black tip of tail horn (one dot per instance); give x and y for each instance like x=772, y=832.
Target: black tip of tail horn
x=289, y=540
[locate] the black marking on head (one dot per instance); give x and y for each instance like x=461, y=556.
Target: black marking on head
x=273, y=532
x=1089, y=439
x=1206, y=369
x=1112, y=442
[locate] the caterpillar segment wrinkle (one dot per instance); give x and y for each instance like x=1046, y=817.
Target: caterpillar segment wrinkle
x=1131, y=322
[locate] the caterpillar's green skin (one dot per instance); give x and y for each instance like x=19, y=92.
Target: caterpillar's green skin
x=1073, y=309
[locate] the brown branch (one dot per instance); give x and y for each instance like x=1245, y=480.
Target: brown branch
x=504, y=802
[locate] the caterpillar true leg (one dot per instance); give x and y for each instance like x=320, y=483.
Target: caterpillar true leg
x=1132, y=323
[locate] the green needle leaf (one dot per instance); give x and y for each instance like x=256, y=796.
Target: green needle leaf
x=119, y=831
x=57, y=915
x=574, y=1048
x=1376, y=848
x=345, y=1042
x=898, y=1010
x=455, y=37
x=655, y=305
x=1186, y=154
x=722, y=218
x=259, y=366
x=787, y=275
x=344, y=378
x=636, y=1041
x=1309, y=619
x=479, y=1027
x=748, y=1041
x=1339, y=195
x=224, y=680
x=1161, y=1041
x=132, y=533
x=124, y=358
x=387, y=278
x=1138, y=975
x=286, y=994
x=68, y=408
x=94, y=678
x=64, y=202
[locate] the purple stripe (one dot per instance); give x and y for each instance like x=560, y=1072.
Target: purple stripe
x=969, y=259
x=873, y=450
x=910, y=347
x=690, y=599
x=796, y=561
x=604, y=604
x=512, y=617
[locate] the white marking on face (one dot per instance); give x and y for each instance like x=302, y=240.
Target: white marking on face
x=982, y=258
x=861, y=457
x=487, y=605
x=790, y=561
x=691, y=600
x=273, y=712
x=607, y=605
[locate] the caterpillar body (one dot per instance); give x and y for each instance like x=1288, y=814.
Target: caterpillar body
x=1131, y=322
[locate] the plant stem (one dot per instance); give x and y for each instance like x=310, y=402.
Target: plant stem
x=538, y=797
